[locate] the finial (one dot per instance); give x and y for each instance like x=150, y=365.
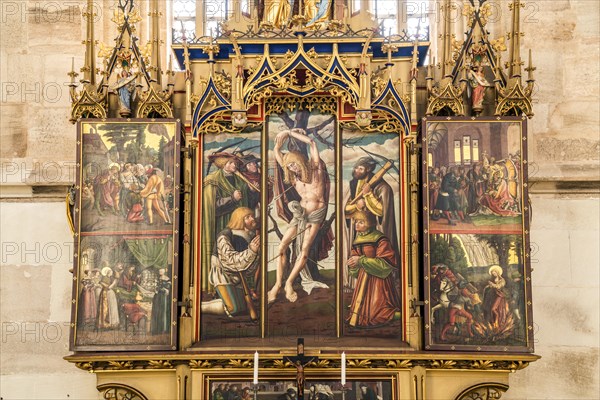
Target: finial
x=89, y=68
x=530, y=68
x=73, y=74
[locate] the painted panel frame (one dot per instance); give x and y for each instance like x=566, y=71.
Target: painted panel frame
x=126, y=219
x=272, y=386
x=476, y=234
x=229, y=276
x=373, y=286
x=303, y=209
x=339, y=149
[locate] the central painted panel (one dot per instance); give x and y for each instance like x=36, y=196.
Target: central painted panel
x=301, y=267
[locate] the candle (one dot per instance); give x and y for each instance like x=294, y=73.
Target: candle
x=255, y=380
x=72, y=74
x=343, y=368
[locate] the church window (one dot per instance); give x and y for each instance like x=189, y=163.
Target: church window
x=184, y=19
x=467, y=149
x=475, y=150
x=415, y=16
x=457, y=152
x=215, y=12
x=386, y=12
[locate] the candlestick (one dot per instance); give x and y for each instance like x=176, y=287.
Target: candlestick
x=344, y=390
x=255, y=380
x=343, y=368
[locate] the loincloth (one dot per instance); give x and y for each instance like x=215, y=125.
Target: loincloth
x=300, y=220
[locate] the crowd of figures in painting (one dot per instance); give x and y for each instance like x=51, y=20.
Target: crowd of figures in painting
x=460, y=194
x=315, y=390
x=127, y=177
x=475, y=236
x=126, y=227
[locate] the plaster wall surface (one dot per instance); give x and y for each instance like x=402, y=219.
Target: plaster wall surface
x=35, y=297
x=565, y=260
x=37, y=148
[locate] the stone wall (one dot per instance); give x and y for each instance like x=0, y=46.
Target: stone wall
x=564, y=36
x=37, y=154
x=38, y=40
x=35, y=293
x=564, y=150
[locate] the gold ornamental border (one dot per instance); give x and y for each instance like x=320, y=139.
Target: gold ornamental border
x=273, y=361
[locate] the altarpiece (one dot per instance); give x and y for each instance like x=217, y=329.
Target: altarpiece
x=307, y=210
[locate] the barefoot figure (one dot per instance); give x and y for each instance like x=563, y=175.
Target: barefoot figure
x=309, y=178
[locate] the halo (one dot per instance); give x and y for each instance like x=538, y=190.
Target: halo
x=496, y=268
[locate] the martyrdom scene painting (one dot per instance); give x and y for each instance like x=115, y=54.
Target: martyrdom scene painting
x=313, y=390
x=301, y=252
x=230, y=234
x=371, y=272
x=476, y=223
x=126, y=244
x=477, y=289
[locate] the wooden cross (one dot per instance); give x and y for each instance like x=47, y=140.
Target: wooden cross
x=300, y=361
